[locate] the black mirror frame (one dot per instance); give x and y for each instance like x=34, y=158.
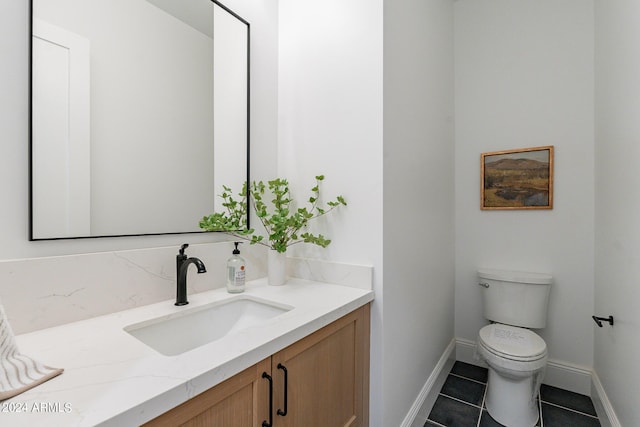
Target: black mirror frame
x=30, y=135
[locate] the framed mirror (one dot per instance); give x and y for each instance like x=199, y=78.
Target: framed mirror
x=139, y=115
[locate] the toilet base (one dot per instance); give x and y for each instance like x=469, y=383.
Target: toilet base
x=510, y=400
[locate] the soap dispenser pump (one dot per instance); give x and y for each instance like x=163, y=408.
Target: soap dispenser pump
x=235, y=272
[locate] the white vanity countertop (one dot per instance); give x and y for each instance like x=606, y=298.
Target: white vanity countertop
x=112, y=379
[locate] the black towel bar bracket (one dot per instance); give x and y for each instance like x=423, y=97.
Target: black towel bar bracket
x=599, y=320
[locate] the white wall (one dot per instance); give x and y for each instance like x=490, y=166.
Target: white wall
x=418, y=233
x=617, y=291
x=524, y=77
x=330, y=122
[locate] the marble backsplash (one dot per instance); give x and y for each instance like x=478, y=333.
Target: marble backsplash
x=44, y=292
x=39, y=293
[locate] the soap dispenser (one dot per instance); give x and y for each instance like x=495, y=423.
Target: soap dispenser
x=235, y=272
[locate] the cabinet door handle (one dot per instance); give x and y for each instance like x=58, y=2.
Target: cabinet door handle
x=270, y=423
x=286, y=386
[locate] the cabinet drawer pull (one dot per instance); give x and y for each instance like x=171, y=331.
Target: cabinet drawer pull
x=268, y=378
x=286, y=386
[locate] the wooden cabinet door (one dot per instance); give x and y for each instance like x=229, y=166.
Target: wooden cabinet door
x=327, y=376
x=240, y=401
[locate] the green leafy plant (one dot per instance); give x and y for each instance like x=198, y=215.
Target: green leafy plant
x=285, y=224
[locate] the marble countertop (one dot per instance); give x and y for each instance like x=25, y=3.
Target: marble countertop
x=112, y=379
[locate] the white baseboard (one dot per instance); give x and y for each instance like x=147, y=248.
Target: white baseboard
x=465, y=352
x=421, y=408
x=559, y=374
x=568, y=376
x=604, y=409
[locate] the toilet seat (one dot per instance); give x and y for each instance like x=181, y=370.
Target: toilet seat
x=512, y=343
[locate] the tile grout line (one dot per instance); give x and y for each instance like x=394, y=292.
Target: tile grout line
x=569, y=409
x=434, y=422
x=461, y=401
x=467, y=378
x=484, y=397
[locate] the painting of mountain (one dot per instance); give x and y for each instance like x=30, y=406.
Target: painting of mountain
x=517, y=179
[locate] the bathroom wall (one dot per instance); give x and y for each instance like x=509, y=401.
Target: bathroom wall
x=330, y=122
x=617, y=267
x=55, y=278
x=524, y=77
x=418, y=197
x=387, y=145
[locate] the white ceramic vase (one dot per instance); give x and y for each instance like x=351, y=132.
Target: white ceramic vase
x=276, y=268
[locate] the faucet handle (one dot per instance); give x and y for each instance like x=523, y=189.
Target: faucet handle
x=183, y=247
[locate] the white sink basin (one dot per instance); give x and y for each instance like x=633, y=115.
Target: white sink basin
x=177, y=333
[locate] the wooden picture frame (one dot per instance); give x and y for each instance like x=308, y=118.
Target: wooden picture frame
x=517, y=179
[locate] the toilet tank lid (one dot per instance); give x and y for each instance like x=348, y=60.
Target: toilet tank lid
x=515, y=276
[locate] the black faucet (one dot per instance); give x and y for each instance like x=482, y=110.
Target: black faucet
x=182, y=266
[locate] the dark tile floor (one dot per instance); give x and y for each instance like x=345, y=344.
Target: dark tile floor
x=461, y=403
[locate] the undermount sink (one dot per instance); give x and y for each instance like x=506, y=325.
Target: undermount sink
x=177, y=333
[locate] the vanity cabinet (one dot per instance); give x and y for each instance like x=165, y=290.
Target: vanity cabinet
x=236, y=402
x=320, y=381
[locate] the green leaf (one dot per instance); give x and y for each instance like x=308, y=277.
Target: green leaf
x=278, y=214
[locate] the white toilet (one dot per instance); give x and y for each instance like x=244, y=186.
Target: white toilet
x=516, y=356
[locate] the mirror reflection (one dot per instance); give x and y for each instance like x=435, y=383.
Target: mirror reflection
x=128, y=98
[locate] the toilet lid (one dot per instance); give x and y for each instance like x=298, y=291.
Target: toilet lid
x=512, y=342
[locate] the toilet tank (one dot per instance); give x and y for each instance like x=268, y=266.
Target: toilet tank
x=515, y=298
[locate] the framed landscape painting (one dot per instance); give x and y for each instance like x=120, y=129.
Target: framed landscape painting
x=517, y=179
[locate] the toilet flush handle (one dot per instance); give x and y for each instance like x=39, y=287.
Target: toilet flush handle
x=484, y=285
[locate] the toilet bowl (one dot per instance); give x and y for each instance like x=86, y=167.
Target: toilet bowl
x=516, y=358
